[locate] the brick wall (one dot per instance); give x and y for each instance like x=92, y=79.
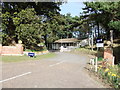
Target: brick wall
x=109, y=56
x=11, y=50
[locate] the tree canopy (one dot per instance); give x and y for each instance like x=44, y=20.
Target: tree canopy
x=41, y=22
x=106, y=14
x=27, y=21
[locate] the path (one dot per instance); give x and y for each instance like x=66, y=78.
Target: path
x=63, y=71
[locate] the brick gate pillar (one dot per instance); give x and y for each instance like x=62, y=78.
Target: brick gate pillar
x=20, y=48
x=0, y=49
x=108, y=54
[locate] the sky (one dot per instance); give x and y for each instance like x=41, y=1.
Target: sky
x=72, y=7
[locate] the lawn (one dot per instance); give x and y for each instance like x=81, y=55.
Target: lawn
x=26, y=58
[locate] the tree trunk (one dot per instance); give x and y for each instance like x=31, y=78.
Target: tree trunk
x=108, y=34
x=95, y=32
x=98, y=29
x=45, y=38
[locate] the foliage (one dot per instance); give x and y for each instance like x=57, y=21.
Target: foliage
x=26, y=21
x=115, y=24
x=61, y=26
x=33, y=23
x=36, y=22
x=111, y=73
x=28, y=27
x=106, y=14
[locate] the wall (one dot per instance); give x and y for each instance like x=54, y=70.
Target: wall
x=11, y=50
x=109, y=56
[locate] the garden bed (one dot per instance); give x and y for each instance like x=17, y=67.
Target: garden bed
x=109, y=74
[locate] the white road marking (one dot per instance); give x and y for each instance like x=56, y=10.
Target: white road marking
x=56, y=64
x=15, y=77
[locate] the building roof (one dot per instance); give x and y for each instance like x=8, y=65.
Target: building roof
x=67, y=40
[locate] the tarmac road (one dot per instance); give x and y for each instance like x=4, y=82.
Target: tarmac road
x=65, y=70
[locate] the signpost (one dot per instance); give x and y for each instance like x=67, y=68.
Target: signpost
x=111, y=39
x=96, y=64
x=99, y=43
x=92, y=41
x=31, y=54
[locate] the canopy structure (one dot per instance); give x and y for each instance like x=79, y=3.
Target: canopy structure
x=67, y=40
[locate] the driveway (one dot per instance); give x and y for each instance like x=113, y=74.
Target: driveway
x=65, y=70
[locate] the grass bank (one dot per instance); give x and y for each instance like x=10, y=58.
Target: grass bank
x=84, y=51
x=26, y=58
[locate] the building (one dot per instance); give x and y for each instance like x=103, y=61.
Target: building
x=67, y=42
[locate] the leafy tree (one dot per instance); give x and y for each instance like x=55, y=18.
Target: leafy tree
x=71, y=24
x=28, y=27
x=105, y=14
x=26, y=21
x=55, y=28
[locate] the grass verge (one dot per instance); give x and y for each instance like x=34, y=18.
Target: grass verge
x=85, y=51
x=26, y=58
